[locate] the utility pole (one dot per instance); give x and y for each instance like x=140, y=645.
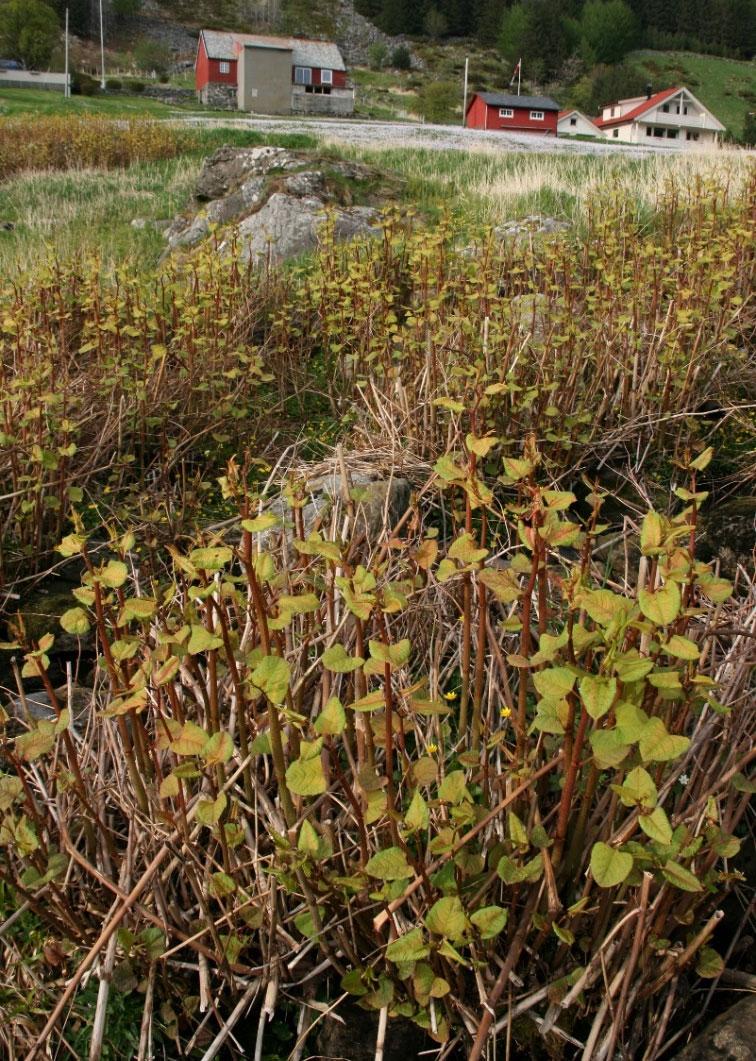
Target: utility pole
x=103, y=85
x=67, y=89
x=464, y=102
x=519, y=73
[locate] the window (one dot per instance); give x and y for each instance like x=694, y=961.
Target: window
x=658, y=133
x=506, y=112
x=648, y=130
x=685, y=110
x=671, y=134
x=665, y=108
x=536, y=116
x=573, y=121
x=615, y=133
x=326, y=77
x=302, y=75
x=225, y=68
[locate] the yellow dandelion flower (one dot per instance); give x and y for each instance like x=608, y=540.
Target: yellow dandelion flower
x=450, y=696
x=432, y=749
x=505, y=712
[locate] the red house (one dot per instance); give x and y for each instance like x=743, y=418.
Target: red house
x=517, y=114
x=305, y=68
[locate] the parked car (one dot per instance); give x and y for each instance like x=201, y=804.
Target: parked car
x=11, y=64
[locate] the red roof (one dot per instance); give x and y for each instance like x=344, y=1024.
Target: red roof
x=636, y=112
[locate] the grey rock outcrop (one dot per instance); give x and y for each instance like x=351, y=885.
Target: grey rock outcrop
x=730, y=1037
x=287, y=226
x=532, y=225
x=356, y=35
x=269, y=203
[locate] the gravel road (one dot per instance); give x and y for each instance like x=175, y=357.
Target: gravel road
x=434, y=137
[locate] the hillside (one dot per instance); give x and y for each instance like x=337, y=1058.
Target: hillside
x=726, y=86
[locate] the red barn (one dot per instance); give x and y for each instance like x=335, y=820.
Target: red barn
x=517, y=114
x=315, y=68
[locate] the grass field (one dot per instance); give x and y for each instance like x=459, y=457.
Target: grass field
x=726, y=86
x=15, y=101
x=89, y=211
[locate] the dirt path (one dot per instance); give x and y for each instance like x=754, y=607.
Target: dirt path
x=434, y=137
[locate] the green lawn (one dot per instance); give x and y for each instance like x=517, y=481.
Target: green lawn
x=35, y=101
x=726, y=86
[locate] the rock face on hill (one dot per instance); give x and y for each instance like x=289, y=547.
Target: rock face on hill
x=269, y=203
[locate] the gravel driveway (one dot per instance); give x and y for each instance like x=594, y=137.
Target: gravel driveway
x=434, y=137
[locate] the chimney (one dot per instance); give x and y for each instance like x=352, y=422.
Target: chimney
x=649, y=91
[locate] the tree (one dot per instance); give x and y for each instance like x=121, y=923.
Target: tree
x=29, y=31
x=609, y=30
x=514, y=27
x=401, y=58
x=438, y=100
x=435, y=24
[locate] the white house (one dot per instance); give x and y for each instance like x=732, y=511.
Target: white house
x=673, y=117
x=575, y=123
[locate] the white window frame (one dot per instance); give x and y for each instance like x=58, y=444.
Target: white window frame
x=224, y=66
x=326, y=77
x=302, y=75
x=506, y=112
x=536, y=116
x=573, y=121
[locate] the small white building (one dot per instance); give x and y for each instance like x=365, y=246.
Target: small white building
x=673, y=117
x=575, y=123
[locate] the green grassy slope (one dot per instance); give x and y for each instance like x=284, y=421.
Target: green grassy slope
x=726, y=86
x=15, y=101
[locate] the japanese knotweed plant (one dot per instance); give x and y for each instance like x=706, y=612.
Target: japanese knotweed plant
x=422, y=764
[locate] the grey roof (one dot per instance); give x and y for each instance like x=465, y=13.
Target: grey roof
x=539, y=103
x=320, y=54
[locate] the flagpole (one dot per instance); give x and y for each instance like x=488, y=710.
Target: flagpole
x=464, y=102
x=67, y=88
x=103, y=83
x=519, y=74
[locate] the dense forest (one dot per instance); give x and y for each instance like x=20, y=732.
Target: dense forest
x=558, y=27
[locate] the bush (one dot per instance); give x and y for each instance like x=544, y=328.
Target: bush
x=749, y=130
x=84, y=85
x=377, y=55
x=136, y=86
x=150, y=56
x=401, y=57
x=438, y=100
x=114, y=84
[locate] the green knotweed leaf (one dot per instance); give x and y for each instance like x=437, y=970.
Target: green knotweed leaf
x=201, y=640
x=332, y=719
x=408, y=948
x=490, y=921
x=211, y=559
x=271, y=676
x=113, y=575
x=657, y=745
x=609, y=866
x=597, y=694
x=338, y=660
x=389, y=864
x=681, y=877
x=447, y=918
x=210, y=810
x=663, y=605
x=218, y=749
x=656, y=825
x=709, y=964
x=305, y=776
x=75, y=621
x=417, y=815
